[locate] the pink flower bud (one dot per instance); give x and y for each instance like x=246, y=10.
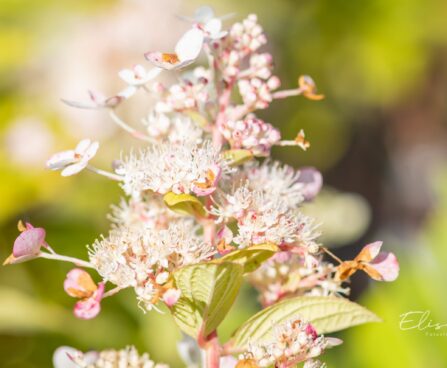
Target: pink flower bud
x=171, y=296
x=312, y=180
x=28, y=243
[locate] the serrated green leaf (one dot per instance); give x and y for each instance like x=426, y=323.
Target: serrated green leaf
x=185, y=204
x=237, y=156
x=208, y=292
x=252, y=257
x=327, y=314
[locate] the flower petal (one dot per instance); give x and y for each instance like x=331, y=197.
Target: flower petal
x=312, y=181
x=61, y=159
x=387, y=265
x=82, y=146
x=29, y=242
x=369, y=252
x=190, y=44
x=62, y=357
x=74, y=169
x=87, y=309
x=79, y=284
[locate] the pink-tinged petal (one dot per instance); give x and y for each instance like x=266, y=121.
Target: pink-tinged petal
x=369, y=251
x=29, y=226
x=202, y=192
x=333, y=341
x=90, y=308
x=312, y=181
x=213, y=27
x=190, y=45
x=74, y=169
x=387, y=265
x=61, y=159
x=171, y=296
x=225, y=234
x=29, y=242
x=114, y=101
x=87, y=309
x=63, y=357
x=79, y=284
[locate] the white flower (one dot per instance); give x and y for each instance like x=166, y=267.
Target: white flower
x=262, y=218
x=176, y=128
x=186, y=51
x=126, y=358
x=137, y=77
x=292, y=342
x=276, y=180
x=166, y=167
x=73, y=161
x=139, y=256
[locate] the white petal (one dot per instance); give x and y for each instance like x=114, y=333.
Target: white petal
x=60, y=160
x=128, y=92
x=214, y=26
x=190, y=45
x=73, y=169
x=203, y=14
x=127, y=76
x=153, y=73
x=90, y=152
x=80, y=105
x=82, y=146
x=61, y=357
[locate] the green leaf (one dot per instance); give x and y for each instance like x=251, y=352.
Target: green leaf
x=198, y=118
x=327, y=314
x=237, y=156
x=252, y=257
x=185, y=204
x=208, y=292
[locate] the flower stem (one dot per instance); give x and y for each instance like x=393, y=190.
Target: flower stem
x=107, y=174
x=132, y=131
x=212, y=351
x=58, y=257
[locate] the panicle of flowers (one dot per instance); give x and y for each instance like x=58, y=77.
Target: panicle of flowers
x=290, y=273
x=144, y=258
x=167, y=167
x=65, y=357
x=191, y=197
x=292, y=342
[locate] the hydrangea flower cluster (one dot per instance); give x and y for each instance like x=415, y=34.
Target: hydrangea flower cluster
x=67, y=357
x=195, y=194
x=293, y=342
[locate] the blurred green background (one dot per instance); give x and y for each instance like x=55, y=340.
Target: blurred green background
x=379, y=137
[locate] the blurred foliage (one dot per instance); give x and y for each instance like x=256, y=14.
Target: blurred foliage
x=367, y=57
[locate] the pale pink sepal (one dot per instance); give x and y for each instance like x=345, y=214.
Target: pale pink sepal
x=28, y=243
x=387, y=265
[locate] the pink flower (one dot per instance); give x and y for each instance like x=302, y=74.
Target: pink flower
x=79, y=284
x=73, y=161
x=380, y=266
x=136, y=78
x=171, y=296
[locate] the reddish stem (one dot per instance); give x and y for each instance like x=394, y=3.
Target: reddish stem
x=212, y=350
